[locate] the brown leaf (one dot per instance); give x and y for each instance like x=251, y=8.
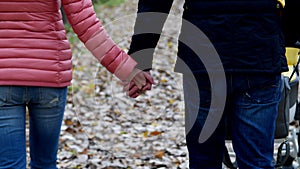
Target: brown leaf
x=155, y=133
x=85, y=151
x=71, y=130
x=159, y=154
x=68, y=122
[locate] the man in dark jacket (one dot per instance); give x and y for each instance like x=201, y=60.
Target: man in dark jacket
x=239, y=91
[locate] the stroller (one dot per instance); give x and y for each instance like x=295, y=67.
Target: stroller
x=287, y=137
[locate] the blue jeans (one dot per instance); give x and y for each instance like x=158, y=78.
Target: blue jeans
x=46, y=108
x=250, y=113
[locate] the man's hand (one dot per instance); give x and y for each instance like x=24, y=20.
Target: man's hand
x=140, y=83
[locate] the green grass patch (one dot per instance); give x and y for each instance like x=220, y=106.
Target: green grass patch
x=109, y=3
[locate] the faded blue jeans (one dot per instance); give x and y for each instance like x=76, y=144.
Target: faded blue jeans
x=46, y=108
x=250, y=113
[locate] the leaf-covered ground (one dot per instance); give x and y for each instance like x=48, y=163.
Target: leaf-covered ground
x=103, y=128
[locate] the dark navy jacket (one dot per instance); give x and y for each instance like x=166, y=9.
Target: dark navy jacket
x=245, y=33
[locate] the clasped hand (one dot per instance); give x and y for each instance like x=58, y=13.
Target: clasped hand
x=138, y=83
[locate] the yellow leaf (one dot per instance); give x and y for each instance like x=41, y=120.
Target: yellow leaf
x=171, y=101
x=154, y=124
x=169, y=44
x=163, y=80
x=145, y=134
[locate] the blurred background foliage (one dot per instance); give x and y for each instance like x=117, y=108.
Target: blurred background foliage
x=108, y=3
x=105, y=3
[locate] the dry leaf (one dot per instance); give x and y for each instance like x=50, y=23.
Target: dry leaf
x=145, y=134
x=159, y=154
x=68, y=122
x=155, y=133
x=164, y=80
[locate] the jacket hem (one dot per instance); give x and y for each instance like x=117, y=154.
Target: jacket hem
x=40, y=84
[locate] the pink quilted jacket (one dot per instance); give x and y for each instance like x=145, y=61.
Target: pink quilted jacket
x=34, y=50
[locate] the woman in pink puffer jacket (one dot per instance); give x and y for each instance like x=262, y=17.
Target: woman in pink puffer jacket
x=35, y=70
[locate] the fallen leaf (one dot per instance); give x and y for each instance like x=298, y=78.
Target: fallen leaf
x=68, y=122
x=171, y=101
x=155, y=133
x=159, y=154
x=145, y=134
x=164, y=80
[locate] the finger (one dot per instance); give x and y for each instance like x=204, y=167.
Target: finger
x=139, y=80
x=149, y=77
x=147, y=87
x=131, y=85
x=135, y=95
x=128, y=86
x=135, y=89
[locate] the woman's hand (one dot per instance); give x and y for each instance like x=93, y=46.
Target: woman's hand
x=138, y=82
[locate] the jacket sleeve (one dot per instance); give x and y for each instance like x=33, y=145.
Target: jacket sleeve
x=86, y=25
x=144, y=42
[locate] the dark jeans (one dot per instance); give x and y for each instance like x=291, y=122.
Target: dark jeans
x=46, y=108
x=250, y=112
